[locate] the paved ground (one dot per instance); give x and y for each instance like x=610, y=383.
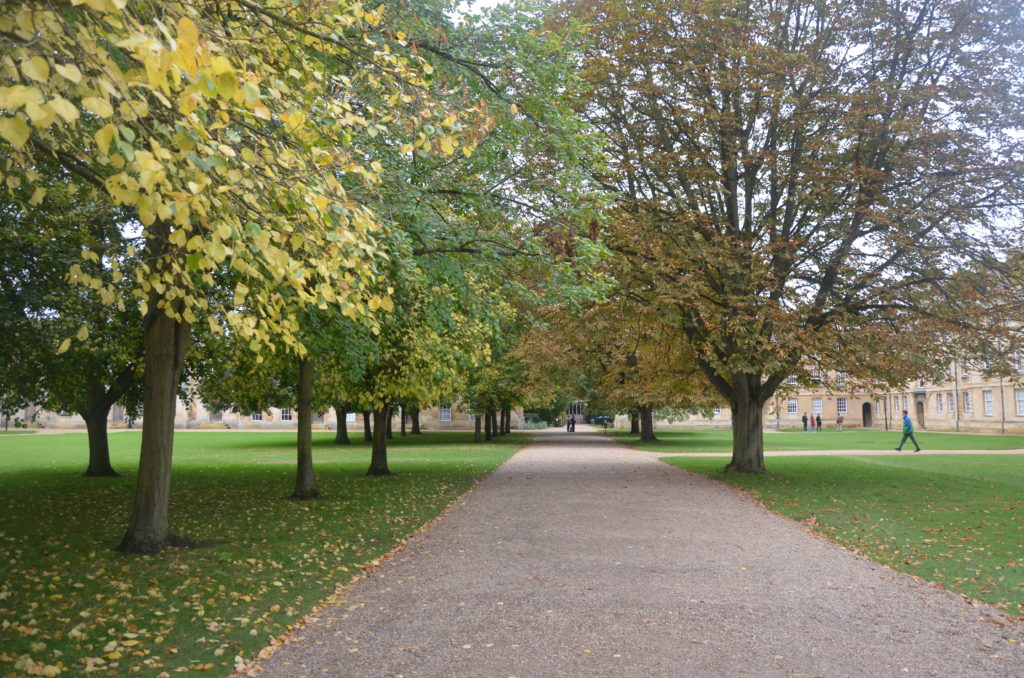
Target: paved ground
x=580, y=557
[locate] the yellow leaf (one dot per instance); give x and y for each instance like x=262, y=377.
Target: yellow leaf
x=36, y=69
x=64, y=109
x=14, y=97
x=447, y=145
x=14, y=130
x=98, y=105
x=83, y=333
x=104, y=136
x=38, y=196
x=41, y=115
x=64, y=346
x=69, y=71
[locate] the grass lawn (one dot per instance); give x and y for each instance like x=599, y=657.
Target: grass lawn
x=793, y=440
x=953, y=519
x=68, y=601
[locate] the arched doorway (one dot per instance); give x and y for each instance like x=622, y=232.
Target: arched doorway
x=919, y=411
x=865, y=412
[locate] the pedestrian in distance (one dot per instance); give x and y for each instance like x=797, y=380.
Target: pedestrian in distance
x=839, y=423
x=819, y=423
x=908, y=432
x=805, y=422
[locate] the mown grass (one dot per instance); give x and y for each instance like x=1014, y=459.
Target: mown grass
x=70, y=604
x=791, y=440
x=952, y=519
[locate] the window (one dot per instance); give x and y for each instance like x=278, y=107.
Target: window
x=841, y=405
x=986, y=399
x=949, y=402
x=791, y=405
x=286, y=414
x=716, y=410
x=816, y=376
x=791, y=380
x=816, y=405
x=967, y=401
x=318, y=417
x=446, y=412
x=1018, y=363
x=350, y=417
x=256, y=416
x=938, y=403
x=840, y=379
x=878, y=407
x=1019, y=396
x=472, y=418
x=904, y=402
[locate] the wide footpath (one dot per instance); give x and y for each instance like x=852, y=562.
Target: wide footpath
x=581, y=557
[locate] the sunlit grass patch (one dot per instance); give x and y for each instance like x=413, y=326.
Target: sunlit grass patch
x=68, y=600
x=953, y=519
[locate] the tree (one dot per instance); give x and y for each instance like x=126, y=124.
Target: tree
x=801, y=178
x=227, y=143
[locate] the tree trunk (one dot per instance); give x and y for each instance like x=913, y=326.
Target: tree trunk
x=747, y=432
x=341, y=435
x=401, y=412
x=95, y=413
x=388, y=424
x=414, y=414
x=379, y=456
x=367, y=432
x=508, y=421
x=477, y=433
x=634, y=423
x=487, y=426
x=647, y=425
x=503, y=423
x=305, y=482
x=165, y=343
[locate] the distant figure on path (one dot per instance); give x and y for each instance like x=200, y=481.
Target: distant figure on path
x=819, y=423
x=839, y=423
x=805, y=422
x=908, y=432
x=570, y=424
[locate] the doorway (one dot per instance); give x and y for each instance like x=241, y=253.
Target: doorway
x=865, y=411
x=919, y=412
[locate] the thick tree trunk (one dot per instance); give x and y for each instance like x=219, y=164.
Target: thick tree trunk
x=367, y=432
x=165, y=341
x=488, y=434
x=647, y=425
x=95, y=413
x=477, y=432
x=747, y=432
x=388, y=424
x=402, y=413
x=634, y=423
x=305, y=482
x=414, y=414
x=379, y=456
x=341, y=435
x=503, y=424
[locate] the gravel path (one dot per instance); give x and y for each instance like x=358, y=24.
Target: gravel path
x=581, y=557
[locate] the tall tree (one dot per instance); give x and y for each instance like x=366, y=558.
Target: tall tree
x=802, y=177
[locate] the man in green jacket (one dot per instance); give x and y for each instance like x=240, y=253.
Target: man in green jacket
x=908, y=432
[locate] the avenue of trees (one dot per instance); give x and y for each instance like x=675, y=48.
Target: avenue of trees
x=662, y=204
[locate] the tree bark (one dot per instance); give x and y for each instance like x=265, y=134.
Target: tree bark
x=367, y=431
x=379, y=456
x=402, y=413
x=634, y=423
x=747, y=431
x=414, y=414
x=388, y=424
x=99, y=447
x=647, y=425
x=341, y=435
x=508, y=421
x=488, y=435
x=165, y=343
x=477, y=433
x=305, y=482
x=502, y=422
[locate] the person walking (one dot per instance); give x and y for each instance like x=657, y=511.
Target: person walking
x=818, y=418
x=908, y=432
x=805, y=422
x=839, y=423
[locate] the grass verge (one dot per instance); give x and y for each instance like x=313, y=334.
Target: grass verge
x=791, y=440
x=957, y=520
x=69, y=604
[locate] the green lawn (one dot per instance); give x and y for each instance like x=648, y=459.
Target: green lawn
x=791, y=440
x=953, y=519
x=69, y=601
